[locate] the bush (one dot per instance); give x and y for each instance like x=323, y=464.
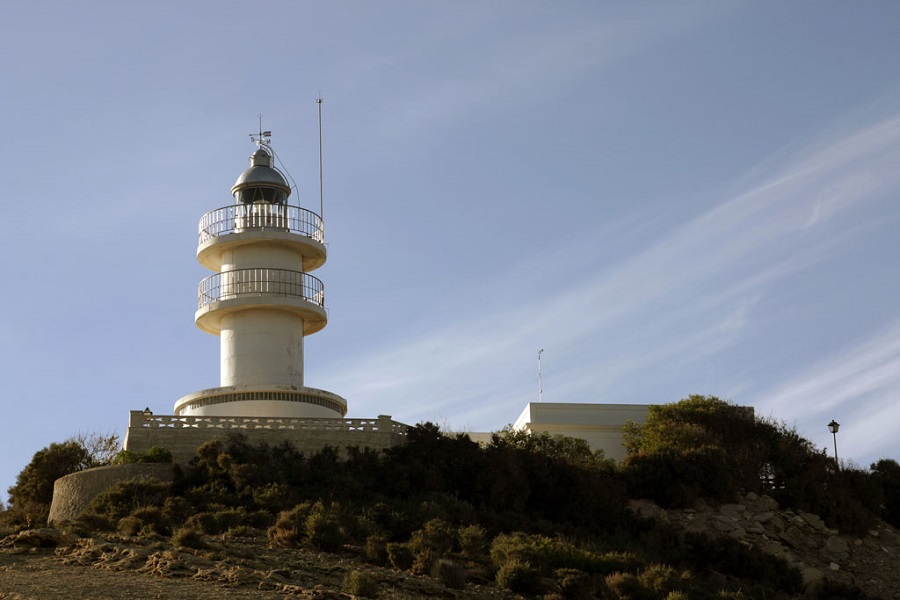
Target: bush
x=546, y=554
x=153, y=454
x=359, y=583
x=324, y=531
x=123, y=498
x=188, y=538
x=662, y=579
x=473, y=542
x=400, y=555
x=290, y=528
x=449, y=573
x=628, y=586
x=376, y=550
x=437, y=537
x=519, y=576
x=574, y=584
x=33, y=492
x=88, y=523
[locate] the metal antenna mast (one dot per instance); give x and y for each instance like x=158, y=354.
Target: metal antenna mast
x=540, y=380
x=321, y=203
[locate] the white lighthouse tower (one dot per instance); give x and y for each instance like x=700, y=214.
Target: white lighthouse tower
x=261, y=301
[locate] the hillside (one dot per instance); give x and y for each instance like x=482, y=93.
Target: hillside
x=48, y=564
x=712, y=503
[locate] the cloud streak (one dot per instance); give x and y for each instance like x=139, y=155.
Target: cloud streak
x=698, y=287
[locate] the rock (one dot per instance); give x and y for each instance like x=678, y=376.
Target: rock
x=814, y=521
x=732, y=511
x=723, y=523
x=834, y=567
x=812, y=580
x=767, y=503
x=792, y=537
x=836, y=547
x=763, y=517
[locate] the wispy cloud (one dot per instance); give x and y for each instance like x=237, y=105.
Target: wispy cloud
x=669, y=307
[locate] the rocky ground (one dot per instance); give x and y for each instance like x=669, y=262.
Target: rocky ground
x=46, y=564
x=871, y=563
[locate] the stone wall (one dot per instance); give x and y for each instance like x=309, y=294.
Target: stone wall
x=183, y=435
x=73, y=493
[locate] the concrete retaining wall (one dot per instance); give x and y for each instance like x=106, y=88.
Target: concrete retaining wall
x=73, y=493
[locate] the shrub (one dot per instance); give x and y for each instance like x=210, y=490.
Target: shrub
x=324, y=531
x=400, y=555
x=519, y=576
x=176, y=509
x=574, y=584
x=546, y=554
x=449, y=573
x=290, y=527
x=241, y=531
x=123, y=498
x=203, y=522
x=473, y=542
x=662, y=579
x=88, y=523
x=154, y=454
x=628, y=586
x=359, y=583
x=188, y=538
x=437, y=537
x=147, y=519
x=33, y=492
x=129, y=525
x=376, y=550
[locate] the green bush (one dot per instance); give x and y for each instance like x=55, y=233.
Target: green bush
x=519, y=576
x=437, y=537
x=203, y=522
x=546, y=555
x=573, y=584
x=323, y=530
x=663, y=579
x=86, y=524
x=376, y=550
x=400, y=556
x=361, y=584
x=473, y=542
x=449, y=573
x=188, y=538
x=628, y=586
x=289, y=529
x=123, y=498
x=153, y=454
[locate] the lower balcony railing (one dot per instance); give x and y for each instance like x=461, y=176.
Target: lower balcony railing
x=259, y=282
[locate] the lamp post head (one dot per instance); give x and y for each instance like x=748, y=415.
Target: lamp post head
x=833, y=426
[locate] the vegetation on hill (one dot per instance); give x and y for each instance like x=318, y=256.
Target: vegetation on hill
x=535, y=514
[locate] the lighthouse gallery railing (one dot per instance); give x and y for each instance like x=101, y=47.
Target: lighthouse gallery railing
x=241, y=217
x=261, y=281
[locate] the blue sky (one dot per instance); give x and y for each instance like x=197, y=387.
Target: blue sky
x=669, y=199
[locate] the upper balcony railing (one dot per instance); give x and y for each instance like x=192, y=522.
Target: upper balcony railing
x=241, y=217
x=259, y=282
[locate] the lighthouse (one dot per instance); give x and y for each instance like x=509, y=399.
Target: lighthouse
x=261, y=300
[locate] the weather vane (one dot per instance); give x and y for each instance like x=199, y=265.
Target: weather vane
x=263, y=137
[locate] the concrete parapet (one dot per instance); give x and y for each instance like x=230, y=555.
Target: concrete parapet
x=182, y=435
x=73, y=493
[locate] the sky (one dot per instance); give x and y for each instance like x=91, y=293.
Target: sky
x=667, y=198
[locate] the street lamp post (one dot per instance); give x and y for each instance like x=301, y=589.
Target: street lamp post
x=833, y=428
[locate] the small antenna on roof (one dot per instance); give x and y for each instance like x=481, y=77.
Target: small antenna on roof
x=321, y=202
x=263, y=138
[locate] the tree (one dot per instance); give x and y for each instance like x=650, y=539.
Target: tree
x=30, y=497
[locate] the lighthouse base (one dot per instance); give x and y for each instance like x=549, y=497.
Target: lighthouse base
x=285, y=401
